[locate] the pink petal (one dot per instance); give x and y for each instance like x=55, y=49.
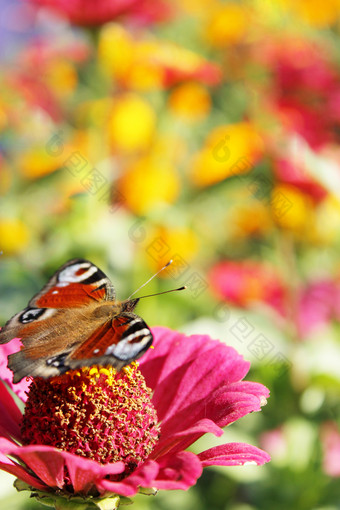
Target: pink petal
x=84, y=473
x=10, y=414
x=10, y=448
x=187, y=436
x=190, y=395
x=233, y=454
x=179, y=471
x=144, y=476
x=182, y=369
x=6, y=374
x=45, y=461
x=22, y=474
x=48, y=464
x=224, y=407
x=229, y=403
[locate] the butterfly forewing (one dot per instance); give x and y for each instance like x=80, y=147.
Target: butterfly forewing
x=76, y=283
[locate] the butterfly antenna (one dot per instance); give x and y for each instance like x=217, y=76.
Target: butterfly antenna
x=152, y=277
x=164, y=292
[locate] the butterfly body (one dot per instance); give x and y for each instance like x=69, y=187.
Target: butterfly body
x=75, y=321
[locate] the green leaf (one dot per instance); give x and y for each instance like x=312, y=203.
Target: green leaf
x=112, y=502
x=72, y=504
x=108, y=503
x=62, y=502
x=21, y=486
x=68, y=502
x=148, y=491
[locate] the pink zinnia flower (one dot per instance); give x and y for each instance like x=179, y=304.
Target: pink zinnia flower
x=98, y=434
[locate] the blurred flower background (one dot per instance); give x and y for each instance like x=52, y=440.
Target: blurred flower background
x=132, y=132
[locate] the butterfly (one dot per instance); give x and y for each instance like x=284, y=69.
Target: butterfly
x=75, y=321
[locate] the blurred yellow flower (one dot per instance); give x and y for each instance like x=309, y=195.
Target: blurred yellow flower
x=36, y=163
x=249, y=219
x=315, y=13
x=227, y=24
x=42, y=160
x=170, y=147
x=94, y=112
x=147, y=63
x=61, y=77
x=14, y=236
x=229, y=150
x=292, y=209
x=190, y=101
x=145, y=76
x=124, y=59
x=180, y=244
x=5, y=177
x=3, y=117
x=148, y=183
x=325, y=229
x=115, y=49
x=132, y=123
x=198, y=7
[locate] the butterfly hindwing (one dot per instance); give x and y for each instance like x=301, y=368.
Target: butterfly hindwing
x=125, y=339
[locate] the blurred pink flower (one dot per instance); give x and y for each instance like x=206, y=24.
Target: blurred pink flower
x=274, y=442
x=319, y=302
x=246, y=282
x=330, y=439
x=32, y=78
x=90, y=13
x=197, y=388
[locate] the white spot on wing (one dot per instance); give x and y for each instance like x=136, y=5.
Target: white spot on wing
x=125, y=350
x=68, y=275
x=101, y=282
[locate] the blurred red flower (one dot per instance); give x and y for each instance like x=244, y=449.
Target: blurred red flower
x=295, y=174
x=91, y=13
x=247, y=282
x=304, y=89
